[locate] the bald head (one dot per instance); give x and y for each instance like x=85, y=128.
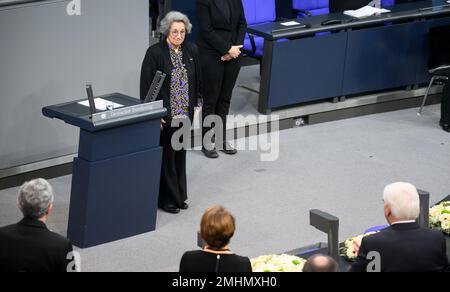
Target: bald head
x=320, y=264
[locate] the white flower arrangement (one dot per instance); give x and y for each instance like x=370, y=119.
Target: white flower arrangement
x=351, y=246
x=440, y=217
x=278, y=263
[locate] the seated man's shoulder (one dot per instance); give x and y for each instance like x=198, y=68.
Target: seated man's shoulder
x=387, y=235
x=380, y=235
x=8, y=228
x=57, y=238
x=432, y=234
x=392, y=235
x=42, y=238
x=4, y=233
x=10, y=231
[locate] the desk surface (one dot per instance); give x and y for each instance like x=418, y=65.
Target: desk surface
x=399, y=12
x=73, y=109
x=78, y=115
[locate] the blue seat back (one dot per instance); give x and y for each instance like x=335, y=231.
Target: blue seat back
x=318, y=7
x=315, y=7
x=376, y=229
x=386, y=3
x=259, y=11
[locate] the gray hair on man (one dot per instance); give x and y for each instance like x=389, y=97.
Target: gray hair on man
x=35, y=198
x=171, y=17
x=403, y=199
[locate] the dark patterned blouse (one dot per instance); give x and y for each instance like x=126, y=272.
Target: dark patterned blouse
x=179, y=86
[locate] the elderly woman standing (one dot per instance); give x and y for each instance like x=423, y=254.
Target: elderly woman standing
x=179, y=60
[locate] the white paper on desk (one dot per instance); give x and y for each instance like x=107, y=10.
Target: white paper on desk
x=365, y=11
x=101, y=104
x=290, y=23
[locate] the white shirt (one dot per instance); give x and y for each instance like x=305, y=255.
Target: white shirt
x=403, y=222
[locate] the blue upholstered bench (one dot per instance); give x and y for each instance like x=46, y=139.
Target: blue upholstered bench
x=257, y=12
x=310, y=7
x=319, y=7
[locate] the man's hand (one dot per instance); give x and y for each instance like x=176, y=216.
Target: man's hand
x=163, y=122
x=226, y=58
x=235, y=51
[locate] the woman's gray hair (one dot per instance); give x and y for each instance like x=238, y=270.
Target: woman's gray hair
x=35, y=198
x=171, y=17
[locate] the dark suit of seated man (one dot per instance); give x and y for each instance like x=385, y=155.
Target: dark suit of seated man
x=29, y=246
x=404, y=246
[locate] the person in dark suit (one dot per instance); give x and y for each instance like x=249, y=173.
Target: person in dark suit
x=445, y=108
x=222, y=28
x=180, y=61
x=404, y=246
x=216, y=228
x=29, y=246
x=439, y=57
x=156, y=12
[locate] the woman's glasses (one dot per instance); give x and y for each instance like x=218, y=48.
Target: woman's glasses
x=176, y=33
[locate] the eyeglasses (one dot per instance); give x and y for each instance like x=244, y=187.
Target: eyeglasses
x=176, y=33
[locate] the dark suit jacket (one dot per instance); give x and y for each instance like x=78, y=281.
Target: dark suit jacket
x=217, y=34
x=158, y=58
x=405, y=248
x=30, y=247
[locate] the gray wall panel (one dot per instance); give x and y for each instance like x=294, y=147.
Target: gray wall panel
x=46, y=57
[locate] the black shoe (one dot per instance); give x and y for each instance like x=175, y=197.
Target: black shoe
x=210, y=153
x=184, y=206
x=445, y=127
x=227, y=149
x=171, y=209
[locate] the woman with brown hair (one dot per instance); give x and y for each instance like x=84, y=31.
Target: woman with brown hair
x=216, y=228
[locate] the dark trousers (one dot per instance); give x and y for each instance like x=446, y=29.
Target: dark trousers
x=445, y=107
x=173, y=184
x=156, y=12
x=219, y=79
